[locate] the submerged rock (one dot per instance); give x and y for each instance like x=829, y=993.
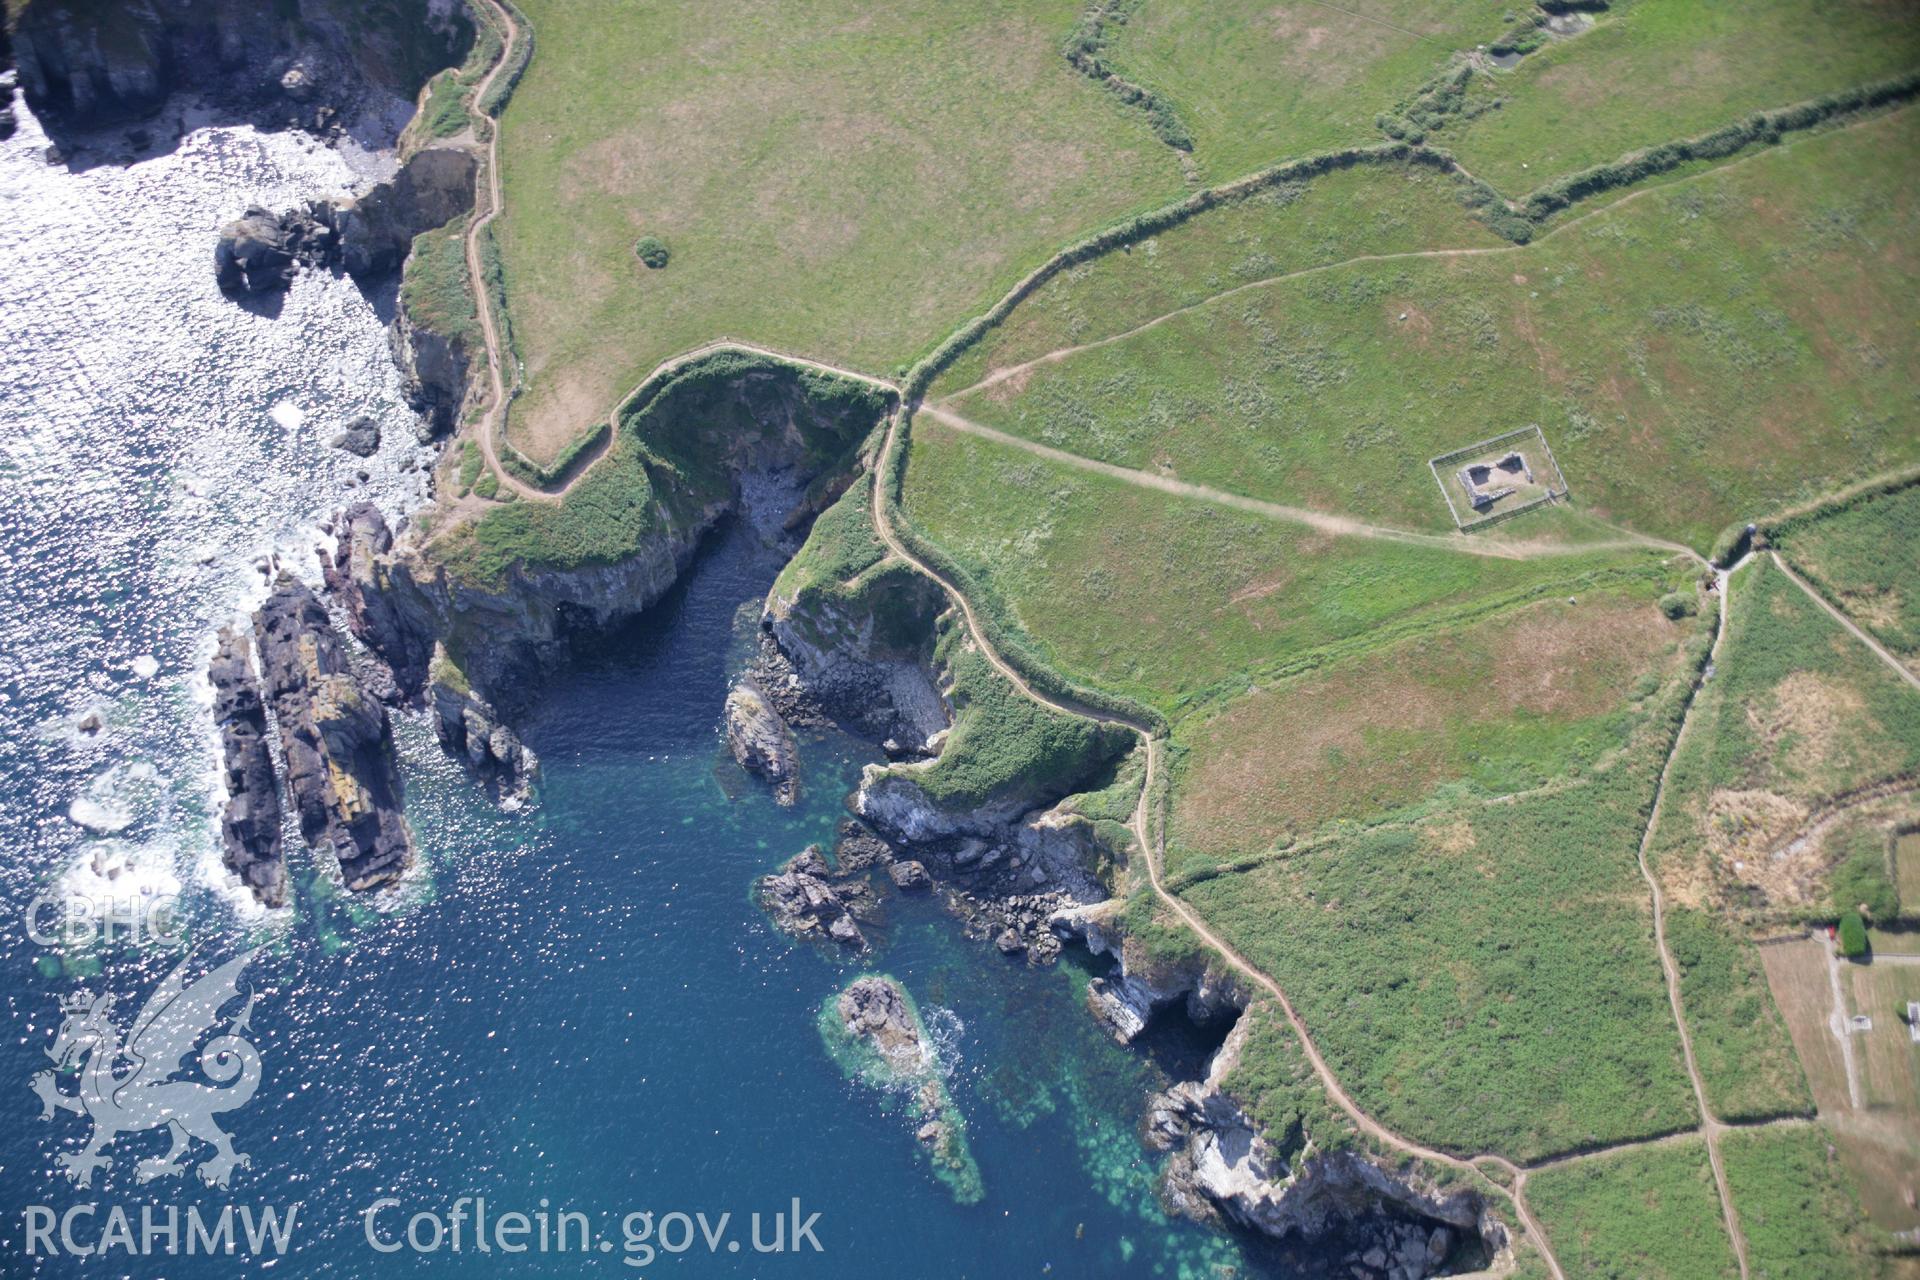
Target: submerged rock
x=760, y=740
x=336, y=740
x=250, y=837
x=910, y=876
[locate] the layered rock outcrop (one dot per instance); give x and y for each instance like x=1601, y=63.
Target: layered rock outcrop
x=367, y=237
x=890, y=1049
x=435, y=369
x=1223, y=1166
x=809, y=899
x=335, y=738
x=250, y=838
x=863, y=661
x=761, y=741
x=372, y=588
x=472, y=732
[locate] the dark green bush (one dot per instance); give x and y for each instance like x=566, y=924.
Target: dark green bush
x=1762, y=127
x=652, y=250
x=1083, y=51
x=1853, y=935
x=1679, y=604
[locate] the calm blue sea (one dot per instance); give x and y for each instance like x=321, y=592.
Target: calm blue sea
x=573, y=1009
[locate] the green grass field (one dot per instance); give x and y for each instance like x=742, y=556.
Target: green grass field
x=1704, y=352
x=1482, y=978
x=1862, y=558
x=1405, y=779
x=832, y=179
x=1799, y=716
x=1485, y=980
x=1652, y=1213
x=1255, y=82
x=1651, y=71
x=1177, y=601
x=1740, y=1042
x=1798, y=1209
x=1295, y=226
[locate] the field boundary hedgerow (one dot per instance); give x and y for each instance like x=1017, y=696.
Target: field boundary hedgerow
x=1085, y=50
x=1762, y=128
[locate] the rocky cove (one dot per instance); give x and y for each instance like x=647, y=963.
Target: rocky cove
x=1027, y=872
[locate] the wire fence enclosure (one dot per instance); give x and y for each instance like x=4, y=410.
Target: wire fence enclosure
x=1550, y=479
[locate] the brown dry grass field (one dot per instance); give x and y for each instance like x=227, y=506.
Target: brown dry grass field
x=1508, y=703
x=1797, y=976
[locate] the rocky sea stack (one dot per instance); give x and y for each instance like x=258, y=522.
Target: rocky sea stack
x=250, y=828
x=336, y=740
x=874, y=1031
x=367, y=237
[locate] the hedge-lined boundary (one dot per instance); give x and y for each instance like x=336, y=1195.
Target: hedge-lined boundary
x=1085, y=50
x=1867, y=491
x=1516, y=223
x=556, y=473
x=517, y=55
x=1762, y=127
x=1154, y=221
x=1008, y=639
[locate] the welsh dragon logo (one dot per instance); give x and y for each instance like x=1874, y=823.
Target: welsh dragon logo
x=127, y=1085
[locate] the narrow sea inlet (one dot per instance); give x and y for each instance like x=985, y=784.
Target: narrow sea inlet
x=574, y=1009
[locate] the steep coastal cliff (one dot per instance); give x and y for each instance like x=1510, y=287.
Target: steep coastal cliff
x=368, y=236
x=314, y=64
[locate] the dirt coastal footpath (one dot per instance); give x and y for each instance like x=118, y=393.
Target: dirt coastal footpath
x=1146, y=826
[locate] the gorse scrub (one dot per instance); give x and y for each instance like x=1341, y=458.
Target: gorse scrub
x=652, y=250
